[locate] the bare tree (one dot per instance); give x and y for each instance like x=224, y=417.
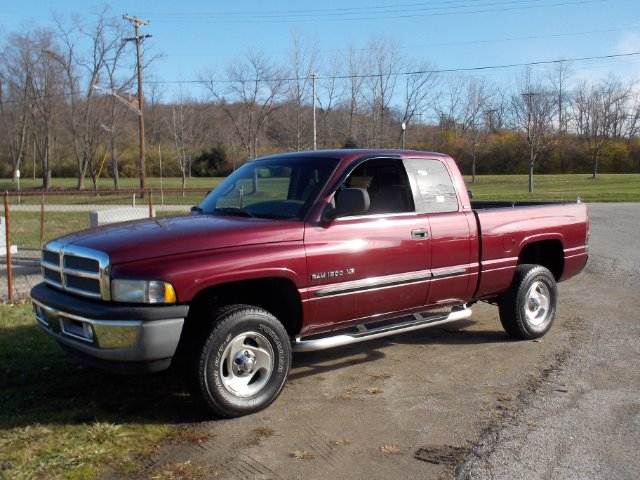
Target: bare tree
x=46, y=94
x=155, y=97
x=356, y=81
x=184, y=133
x=330, y=92
x=383, y=67
x=534, y=110
x=600, y=114
x=498, y=110
x=449, y=107
x=473, y=119
x=115, y=107
x=420, y=83
x=303, y=60
x=633, y=119
x=105, y=46
x=256, y=85
x=15, y=70
x=559, y=77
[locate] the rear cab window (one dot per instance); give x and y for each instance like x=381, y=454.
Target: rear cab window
x=433, y=189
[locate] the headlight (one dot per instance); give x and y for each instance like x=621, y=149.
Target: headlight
x=142, y=291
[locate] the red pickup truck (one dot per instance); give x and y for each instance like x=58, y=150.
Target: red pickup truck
x=300, y=252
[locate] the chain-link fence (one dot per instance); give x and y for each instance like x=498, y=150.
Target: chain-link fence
x=32, y=218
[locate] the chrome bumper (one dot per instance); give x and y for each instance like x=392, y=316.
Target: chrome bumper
x=103, y=334
x=135, y=336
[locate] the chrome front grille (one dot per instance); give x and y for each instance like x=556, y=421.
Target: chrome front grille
x=78, y=270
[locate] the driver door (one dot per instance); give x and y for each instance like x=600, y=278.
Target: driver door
x=372, y=264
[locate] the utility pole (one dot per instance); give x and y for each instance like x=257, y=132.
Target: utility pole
x=489, y=114
x=136, y=22
x=313, y=83
x=532, y=117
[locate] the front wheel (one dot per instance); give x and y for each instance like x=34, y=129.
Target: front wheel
x=528, y=308
x=240, y=365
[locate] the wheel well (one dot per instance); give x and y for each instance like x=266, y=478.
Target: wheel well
x=548, y=253
x=278, y=296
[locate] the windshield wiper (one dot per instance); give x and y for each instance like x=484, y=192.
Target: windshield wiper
x=233, y=211
x=197, y=209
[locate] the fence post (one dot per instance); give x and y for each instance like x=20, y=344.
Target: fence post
x=8, y=235
x=41, y=221
x=150, y=204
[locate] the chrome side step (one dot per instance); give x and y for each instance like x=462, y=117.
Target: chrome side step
x=416, y=322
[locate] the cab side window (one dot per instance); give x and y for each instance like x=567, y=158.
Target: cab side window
x=385, y=183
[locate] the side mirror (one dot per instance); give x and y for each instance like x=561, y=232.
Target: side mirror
x=329, y=214
x=470, y=193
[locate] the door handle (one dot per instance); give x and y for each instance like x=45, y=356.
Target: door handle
x=420, y=233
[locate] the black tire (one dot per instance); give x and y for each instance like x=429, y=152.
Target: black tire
x=240, y=363
x=528, y=308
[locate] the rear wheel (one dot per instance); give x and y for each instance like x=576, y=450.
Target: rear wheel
x=528, y=308
x=241, y=362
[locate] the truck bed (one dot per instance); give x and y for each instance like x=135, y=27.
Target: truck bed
x=547, y=233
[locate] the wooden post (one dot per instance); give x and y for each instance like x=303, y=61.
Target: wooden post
x=42, y=221
x=8, y=235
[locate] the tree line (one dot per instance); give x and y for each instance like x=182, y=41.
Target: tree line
x=66, y=109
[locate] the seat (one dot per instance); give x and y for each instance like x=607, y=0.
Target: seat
x=389, y=199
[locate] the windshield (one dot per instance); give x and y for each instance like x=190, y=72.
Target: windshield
x=278, y=187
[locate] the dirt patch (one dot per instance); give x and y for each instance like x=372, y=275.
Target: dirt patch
x=441, y=455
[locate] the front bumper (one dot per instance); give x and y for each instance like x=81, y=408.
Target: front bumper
x=115, y=337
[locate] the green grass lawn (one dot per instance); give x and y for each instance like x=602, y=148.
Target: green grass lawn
x=605, y=188
x=25, y=226
x=59, y=419
x=107, y=183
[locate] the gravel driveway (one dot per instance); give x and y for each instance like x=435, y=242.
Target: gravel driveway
x=464, y=401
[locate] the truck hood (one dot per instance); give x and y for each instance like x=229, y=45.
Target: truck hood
x=140, y=240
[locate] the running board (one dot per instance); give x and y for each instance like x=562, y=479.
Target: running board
x=418, y=321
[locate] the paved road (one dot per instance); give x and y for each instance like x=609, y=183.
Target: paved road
x=584, y=420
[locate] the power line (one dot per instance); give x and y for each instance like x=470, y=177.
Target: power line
x=416, y=72
x=340, y=10
x=438, y=44
x=365, y=13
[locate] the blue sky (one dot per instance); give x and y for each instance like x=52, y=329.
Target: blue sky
x=194, y=36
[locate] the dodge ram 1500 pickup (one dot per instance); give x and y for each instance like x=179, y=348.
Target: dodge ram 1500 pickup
x=301, y=252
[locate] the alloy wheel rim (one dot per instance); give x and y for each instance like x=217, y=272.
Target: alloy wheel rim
x=247, y=364
x=537, y=303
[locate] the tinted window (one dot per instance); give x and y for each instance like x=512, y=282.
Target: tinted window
x=433, y=189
